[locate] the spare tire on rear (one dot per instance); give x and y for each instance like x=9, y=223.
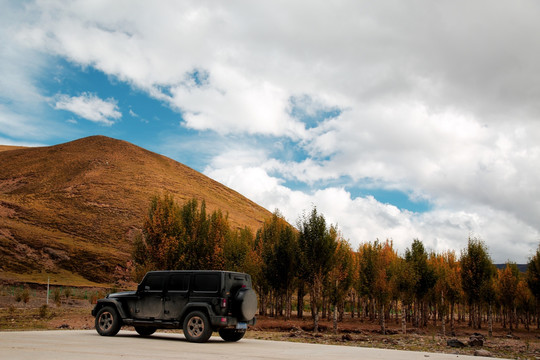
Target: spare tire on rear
x=245, y=304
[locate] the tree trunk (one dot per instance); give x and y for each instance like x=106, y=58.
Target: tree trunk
x=314, y=312
x=383, y=325
x=490, y=321
x=335, y=319
x=315, y=293
x=537, y=313
x=353, y=303
x=443, y=315
x=300, y=301
x=435, y=315
x=415, y=314
x=479, y=316
x=403, y=319
x=452, y=329
x=510, y=320
x=424, y=313
x=288, y=304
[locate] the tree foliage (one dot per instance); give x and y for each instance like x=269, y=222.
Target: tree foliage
x=372, y=281
x=317, y=245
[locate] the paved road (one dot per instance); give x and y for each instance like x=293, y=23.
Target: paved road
x=87, y=344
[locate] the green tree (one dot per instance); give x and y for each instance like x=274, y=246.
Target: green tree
x=533, y=280
x=425, y=276
x=404, y=280
x=477, y=271
x=317, y=247
x=367, y=274
x=279, y=246
x=237, y=250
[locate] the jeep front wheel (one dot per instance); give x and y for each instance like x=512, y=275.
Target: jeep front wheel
x=231, y=334
x=107, y=321
x=197, y=327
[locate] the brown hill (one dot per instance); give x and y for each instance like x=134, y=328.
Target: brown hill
x=72, y=209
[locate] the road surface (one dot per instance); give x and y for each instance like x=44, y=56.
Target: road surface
x=87, y=344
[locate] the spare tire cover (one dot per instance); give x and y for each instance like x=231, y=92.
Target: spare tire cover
x=246, y=304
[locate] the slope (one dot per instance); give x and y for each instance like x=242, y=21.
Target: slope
x=73, y=209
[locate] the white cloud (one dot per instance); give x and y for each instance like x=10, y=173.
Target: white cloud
x=89, y=107
x=434, y=102
x=364, y=219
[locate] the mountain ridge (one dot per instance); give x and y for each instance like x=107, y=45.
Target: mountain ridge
x=74, y=208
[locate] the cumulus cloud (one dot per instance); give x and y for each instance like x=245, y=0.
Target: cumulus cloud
x=89, y=107
x=364, y=219
x=424, y=98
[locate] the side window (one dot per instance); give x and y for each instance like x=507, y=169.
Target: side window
x=178, y=282
x=154, y=282
x=206, y=282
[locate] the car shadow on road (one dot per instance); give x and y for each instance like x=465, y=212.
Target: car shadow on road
x=169, y=337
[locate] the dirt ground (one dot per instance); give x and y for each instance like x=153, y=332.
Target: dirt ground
x=73, y=312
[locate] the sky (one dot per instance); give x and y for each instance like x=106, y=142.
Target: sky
x=396, y=120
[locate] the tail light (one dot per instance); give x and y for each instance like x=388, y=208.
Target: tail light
x=223, y=302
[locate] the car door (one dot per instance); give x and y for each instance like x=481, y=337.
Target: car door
x=149, y=304
x=176, y=296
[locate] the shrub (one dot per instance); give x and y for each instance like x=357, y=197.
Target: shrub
x=22, y=294
x=57, y=296
x=67, y=293
x=18, y=296
x=25, y=295
x=43, y=311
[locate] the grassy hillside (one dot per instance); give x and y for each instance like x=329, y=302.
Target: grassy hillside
x=74, y=208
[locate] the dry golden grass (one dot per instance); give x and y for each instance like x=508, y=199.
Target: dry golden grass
x=10, y=147
x=75, y=207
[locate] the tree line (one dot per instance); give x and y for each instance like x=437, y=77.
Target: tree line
x=313, y=261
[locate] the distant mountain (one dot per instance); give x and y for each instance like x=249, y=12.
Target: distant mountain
x=521, y=267
x=73, y=209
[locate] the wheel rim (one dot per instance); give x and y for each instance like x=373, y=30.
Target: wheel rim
x=105, y=321
x=195, y=326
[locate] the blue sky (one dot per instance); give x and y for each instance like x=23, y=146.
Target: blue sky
x=397, y=121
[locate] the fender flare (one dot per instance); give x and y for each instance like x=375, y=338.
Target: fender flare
x=110, y=302
x=194, y=307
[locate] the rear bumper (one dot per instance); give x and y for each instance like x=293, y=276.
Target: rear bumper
x=228, y=321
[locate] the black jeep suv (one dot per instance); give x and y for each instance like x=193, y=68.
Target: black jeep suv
x=199, y=302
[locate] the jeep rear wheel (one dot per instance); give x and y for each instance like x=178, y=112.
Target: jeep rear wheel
x=145, y=330
x=197, y=327
x=245, y=304
x=231, y=334
x=107, y=321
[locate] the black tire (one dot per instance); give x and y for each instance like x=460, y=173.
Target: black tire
x=231, y=335
x=196, y=327
x=145, y=330
x=107, y=321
